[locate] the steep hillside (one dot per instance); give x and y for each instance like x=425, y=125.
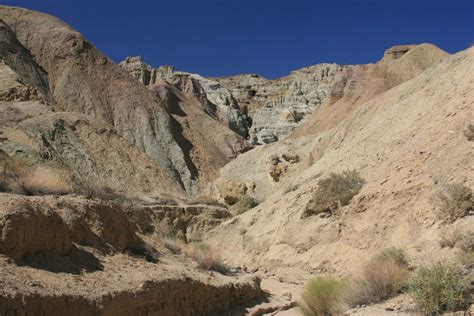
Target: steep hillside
x=215, y=100
x=84, y=80
x=407, y=143
x=91, y=149
x=351, y=88
x=198, y=107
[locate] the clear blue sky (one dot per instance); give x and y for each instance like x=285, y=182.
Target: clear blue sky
x=269, y=37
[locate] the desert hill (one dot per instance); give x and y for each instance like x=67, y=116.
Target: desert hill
x=407, y=142
x=83, y=80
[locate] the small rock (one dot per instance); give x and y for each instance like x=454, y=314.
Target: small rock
x=287, y=296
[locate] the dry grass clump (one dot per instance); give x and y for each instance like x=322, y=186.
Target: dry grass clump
x=333, y=192
x=383, y=277
x=396, y=254
x=20, y=177
x=205, y=257
x=455, y=201
x=174, y=245
x=439, y=289
x=460, y=240
x=198, y=251
x=322, y=296
x=44, y=181
x=92, y=191
x=244, y=203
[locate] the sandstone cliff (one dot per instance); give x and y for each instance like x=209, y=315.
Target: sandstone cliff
x=277, y=107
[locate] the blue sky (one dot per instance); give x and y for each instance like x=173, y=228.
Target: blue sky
x=269, y=37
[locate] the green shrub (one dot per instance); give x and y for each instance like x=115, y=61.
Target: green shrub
x=335, y=191
x=455, y=201
x=396, y=254
x=322, y=296
x=438, y=289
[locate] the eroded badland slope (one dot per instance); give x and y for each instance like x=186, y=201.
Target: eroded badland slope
x=407, y=143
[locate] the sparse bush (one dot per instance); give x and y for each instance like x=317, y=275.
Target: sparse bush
x=455, y=238
x=455, y=201
x=467, y=261
x=383, y=277
x=44, y=181
x=322, y=296
x=20, y=177
x=244, y=203
x=396, y=254
x=438, y=289
x=173, y=245
x=333, y=192
x=205, y=257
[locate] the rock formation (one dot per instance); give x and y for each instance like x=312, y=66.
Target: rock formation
x=277, y=107
x=216, y=100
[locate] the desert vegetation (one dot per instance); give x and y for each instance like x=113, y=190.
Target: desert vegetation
x=333, y=192
x=21, y=177
x=382, y=277
x=322, y=296
x=440, y=288
x=454, y=201
x=457, y=239
x=200, y=252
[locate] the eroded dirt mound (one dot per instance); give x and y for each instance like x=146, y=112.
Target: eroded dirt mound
x=184, y=222
x=80, y=257
x=27, y=228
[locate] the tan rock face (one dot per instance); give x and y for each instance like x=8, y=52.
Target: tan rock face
x=183, y=222
x=277, y=107
x=30, y=80
x=262, y=110
x=27, y=228
x=396, y=52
